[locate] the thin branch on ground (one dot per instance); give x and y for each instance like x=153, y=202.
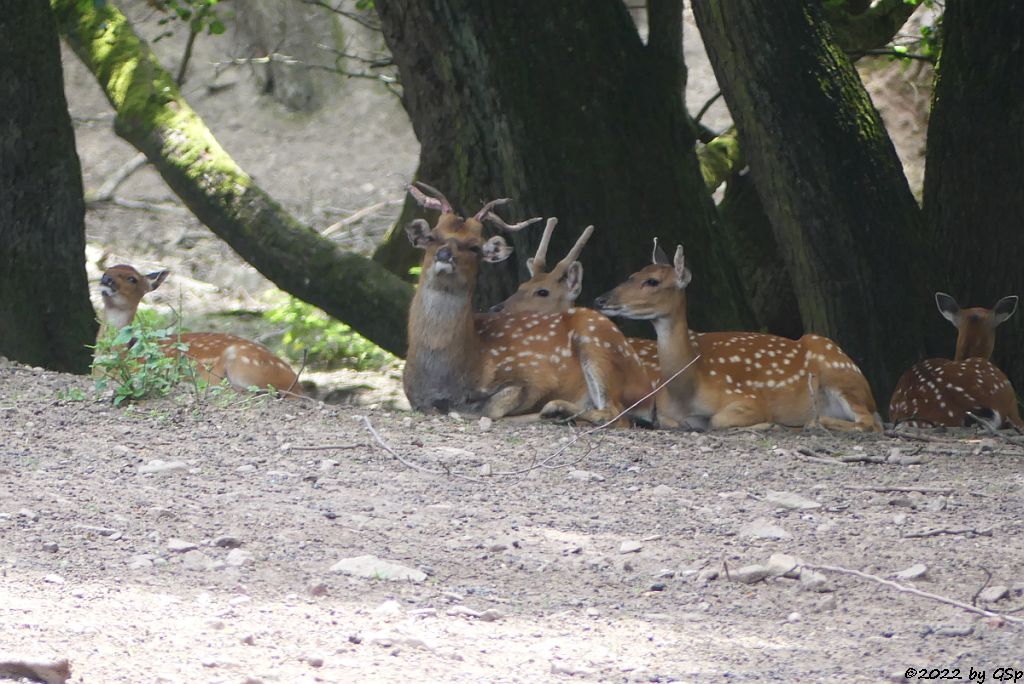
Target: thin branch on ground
x=946, y=491
x=988, y=427
x=115, y=179
x=916, y=592
x=706, y=106
x=148, y=206
x=358, y=216
x=813, y=457
x=330, y=447
x=971, y=531
x=372, y=62
x=988, y=578
x=913, y=437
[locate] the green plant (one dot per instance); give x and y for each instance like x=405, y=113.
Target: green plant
x=324, y=341
x=70, y=394
x=133, y=362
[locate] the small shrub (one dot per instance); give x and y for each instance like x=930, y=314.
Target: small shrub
x=144, y=370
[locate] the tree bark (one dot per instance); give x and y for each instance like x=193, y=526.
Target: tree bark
x=973, y=199
x=45, y=315
x=828, y=176
x=563, y=108
x=152, y=116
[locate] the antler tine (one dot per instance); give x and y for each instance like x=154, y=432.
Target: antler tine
x=500, y=222
x=486, y=209
x=438, y=201
x=574, y=253
x=540, y=258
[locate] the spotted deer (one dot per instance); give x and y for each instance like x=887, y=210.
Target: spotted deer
x=740, y=379
x=217, y=356
x=571, y=364
x=553, y=291
x=943, y=392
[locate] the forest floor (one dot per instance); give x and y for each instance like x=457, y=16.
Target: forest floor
x=199, y=540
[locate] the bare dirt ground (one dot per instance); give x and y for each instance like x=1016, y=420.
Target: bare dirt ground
x=177, y=541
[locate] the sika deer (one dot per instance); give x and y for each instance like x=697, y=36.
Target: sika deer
x=563, y=364
x=943, y=392
x=217, y=356
x=740, y=379
x=554, y=291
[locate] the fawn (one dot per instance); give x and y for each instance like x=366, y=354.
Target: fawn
x=740, y=379
x=217, y=356
x=943, y=392
x=571, y=364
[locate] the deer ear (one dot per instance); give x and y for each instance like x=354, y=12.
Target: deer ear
x=683, y=274
x=658, y=256
x=1004, y=308
x=418, y=231
x=948, y=307
x=574, y=280
x=496, y=249
x=156, y=278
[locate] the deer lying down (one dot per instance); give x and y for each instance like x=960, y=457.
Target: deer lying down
x=943, y=392
x=740, y=379
x=572, y=364
x=218, y=356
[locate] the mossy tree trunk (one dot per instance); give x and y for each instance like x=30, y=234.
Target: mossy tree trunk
x=152, y=116
x=45, y=315
x=828, y=177
x=562, y=107
x=973, y=194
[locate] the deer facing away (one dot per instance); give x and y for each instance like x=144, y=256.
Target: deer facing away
x=217, y=356
x=943, y=392
x=570, y=364
x=740, y=379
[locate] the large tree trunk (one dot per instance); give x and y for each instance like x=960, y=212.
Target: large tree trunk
x=45, y=315
x=973, y=195
x=152, y=116
x=563, y=108
x=828, y=177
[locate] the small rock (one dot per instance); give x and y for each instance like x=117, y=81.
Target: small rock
x=328, y=464
x=749, y=574
x=793, y=617
x=657, y=586
x=790, y=501
x=663, y=491
x=227, y=542
x=707, y=575
x=665, y=573
x=813, y=581
x=954, y=630
x=485, y=424
x=568, y=669
x=489, y=615
x=915, y=571
x=994, y=593
x=899, y=519
x=315, y=661
x=248, y=639
x=53, y=579
x=630, y=546
x=236, y=558
x=372, y=567
x=826, y=603
x=140, y=563
x=584, y=476
x=158, y=467
x=50, y=547
x=762, y=528
x=390, y=607
x=246, y=468
x=180, y=545
x=450, y=454
x=486, y=470
x=28, y=513
x=195, y=560
x=317, y=589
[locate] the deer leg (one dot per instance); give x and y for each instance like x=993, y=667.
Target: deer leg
x=738, y=414
x=504, y=402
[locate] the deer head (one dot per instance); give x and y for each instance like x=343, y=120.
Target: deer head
x=976, y=327
x=653, y=292
x=122, y=288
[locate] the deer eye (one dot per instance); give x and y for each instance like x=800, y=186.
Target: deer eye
x=133, y=280
x=542, y=293
x=475, y=249
x=652, y=282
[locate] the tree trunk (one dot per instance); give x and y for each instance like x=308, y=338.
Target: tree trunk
x=973, y=199
x=561, y=107
x=828, y=176
x=152, y=116
x=45, y=315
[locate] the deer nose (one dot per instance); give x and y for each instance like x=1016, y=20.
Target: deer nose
x=444, y=254
x=106, y=280
x=601, y=302
x=497, y=307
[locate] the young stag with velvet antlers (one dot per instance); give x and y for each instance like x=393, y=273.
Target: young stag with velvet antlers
x=740, y=379
x=563, y=365
x=943, y=392
x=218, y=356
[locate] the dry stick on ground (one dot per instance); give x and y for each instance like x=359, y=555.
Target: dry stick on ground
x=329, y=447
x=992, y=431
x=988, y=578
x=357, y=216
x=543, y=463
x=913, y=437
x=921, y=534
x=916, y=592
x=812, y=456
x=884, y=488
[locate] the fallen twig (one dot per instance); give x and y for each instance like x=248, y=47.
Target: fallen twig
x=992, y=431
x=915, y=437
x=921, y=534
x=329, y=447
x=924, y=490
x=988, y=578
x=811, y=455
x=916, y=592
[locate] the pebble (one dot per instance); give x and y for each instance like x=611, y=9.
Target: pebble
x=315, y=661
x=246, y=468
x=899, y=518
x=630, y=546
x=236, y=558
x=180, y=545
x=663, y=491
x=195, y=560
x=372, y=567
x=915, y=571
x=53, y=579
x=227, y=542
x=814, y=581
x=328, y=464
x=954, y=630
x=486, y=470
x=28, y=513
x=825, y=603
x=50, y=547
x=158, y=467
x=485, y=424
x=707, y=575
x=994, y=593
x=793, y=617
x=568, y=669
x=749, y=574
x=762, y=528
x=791, y=501
x=391, y=607
x=783, y=565
x=317, y=589
x=584, y=476
x=140, y=562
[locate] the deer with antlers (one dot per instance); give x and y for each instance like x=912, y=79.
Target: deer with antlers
x=570, y=364
x=739, y=379
x=217, y=356
x=970, y=387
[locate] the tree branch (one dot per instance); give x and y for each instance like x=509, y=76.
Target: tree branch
x=870, y=29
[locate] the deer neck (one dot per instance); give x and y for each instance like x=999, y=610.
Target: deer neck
x=674, y=349
x=443, y=319
x=974, y=346
x=115, y=318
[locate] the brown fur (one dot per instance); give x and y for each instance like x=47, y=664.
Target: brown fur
x=217, y=356
x=943, y=392
x=741, y=379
